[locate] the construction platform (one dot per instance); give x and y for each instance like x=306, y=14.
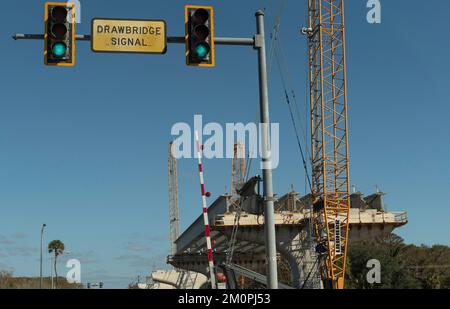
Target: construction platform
x=245, y=224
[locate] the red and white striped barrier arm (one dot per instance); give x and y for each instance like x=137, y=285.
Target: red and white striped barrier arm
x=205, y=214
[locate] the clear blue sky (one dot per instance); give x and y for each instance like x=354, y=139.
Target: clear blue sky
x=90, y=158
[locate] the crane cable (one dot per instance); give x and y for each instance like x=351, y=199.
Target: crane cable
x=276, y=51
x=283, y=68
x=282, y=72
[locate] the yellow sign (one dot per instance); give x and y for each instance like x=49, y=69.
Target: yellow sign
x=128, y=36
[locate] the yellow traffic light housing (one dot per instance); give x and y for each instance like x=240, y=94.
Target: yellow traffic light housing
x=199, y=21
x=59, y=36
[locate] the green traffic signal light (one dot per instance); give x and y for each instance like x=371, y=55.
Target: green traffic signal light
x=201, y=50
x=59, y=49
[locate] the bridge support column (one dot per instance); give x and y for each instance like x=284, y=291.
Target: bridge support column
x=299, y=252
x=294, y=245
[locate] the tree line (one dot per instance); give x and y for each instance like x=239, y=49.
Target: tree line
x=402, y=266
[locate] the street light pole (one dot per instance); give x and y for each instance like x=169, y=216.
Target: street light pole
x=269, y=221
x=51, y=268
x=40, y=269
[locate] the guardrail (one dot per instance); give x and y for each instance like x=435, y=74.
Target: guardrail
x=401, y=216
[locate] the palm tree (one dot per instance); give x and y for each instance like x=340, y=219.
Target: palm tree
x=57, y=247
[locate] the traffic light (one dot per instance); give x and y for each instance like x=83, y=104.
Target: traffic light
x=199, y=35
x=59, y=35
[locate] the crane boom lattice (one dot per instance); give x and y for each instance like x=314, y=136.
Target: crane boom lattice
x=329, y=136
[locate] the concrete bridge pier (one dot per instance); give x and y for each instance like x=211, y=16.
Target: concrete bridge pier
x=294, y=246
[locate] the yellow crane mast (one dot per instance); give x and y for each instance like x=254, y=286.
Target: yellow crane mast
x=329, y=137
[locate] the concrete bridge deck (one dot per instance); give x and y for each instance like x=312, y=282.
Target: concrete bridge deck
x=367, y=219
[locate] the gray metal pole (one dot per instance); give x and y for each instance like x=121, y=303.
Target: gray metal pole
x=269, y=222
x=40, y=269
x=51, y=267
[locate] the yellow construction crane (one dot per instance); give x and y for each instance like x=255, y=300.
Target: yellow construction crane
x=329, y=137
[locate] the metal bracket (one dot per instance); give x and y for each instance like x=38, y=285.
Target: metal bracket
x=307, y=31
x=270, y=199
x=258, y=41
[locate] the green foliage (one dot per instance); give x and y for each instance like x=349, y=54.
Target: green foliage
x=8, y=281
x=402, y=266
x=56, y=246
